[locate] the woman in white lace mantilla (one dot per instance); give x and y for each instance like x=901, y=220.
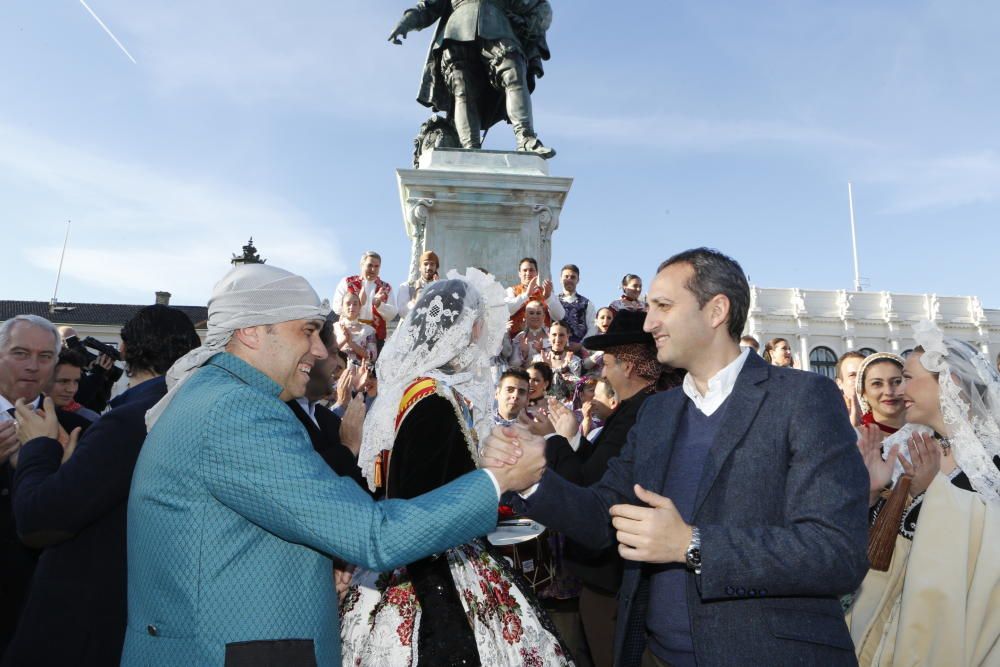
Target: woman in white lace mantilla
x=463, y=606
x=938, y=601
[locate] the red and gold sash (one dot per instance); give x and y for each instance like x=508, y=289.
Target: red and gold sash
x=419, y=389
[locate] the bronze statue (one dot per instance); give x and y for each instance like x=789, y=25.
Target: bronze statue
x=482, y=64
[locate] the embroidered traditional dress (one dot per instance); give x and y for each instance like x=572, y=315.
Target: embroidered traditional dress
x=362, y=335
x=478, y=612
x=517, y=300
x=579, y=315
x=625, y=303
x=537, y=339
x=376, y=318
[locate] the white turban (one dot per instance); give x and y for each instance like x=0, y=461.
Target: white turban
x=249, y=295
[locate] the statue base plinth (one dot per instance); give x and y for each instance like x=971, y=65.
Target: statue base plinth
x=486, y=209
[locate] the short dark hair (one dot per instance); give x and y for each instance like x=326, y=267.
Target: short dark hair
x=631, y=276
x=853, y=354
x=571, y=267
x=156, y=337
x=751, y=341
x=714, y=274
x=560, y=323
x=530, y=260
x=544, y=369
x=326, y=335
x=771, y=344
x=518, y=373
x=71, y=357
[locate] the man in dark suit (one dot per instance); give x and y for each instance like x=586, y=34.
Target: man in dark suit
x=739, y=501
x=336, y=440
x=29, y=347
x=630, y=366
x=71, y=503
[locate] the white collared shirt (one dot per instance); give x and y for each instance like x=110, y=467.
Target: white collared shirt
x=6, y=405
x=309, y=408
x=719, y=387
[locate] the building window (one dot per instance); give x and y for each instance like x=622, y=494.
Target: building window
x=823, y=360
x=867, y=351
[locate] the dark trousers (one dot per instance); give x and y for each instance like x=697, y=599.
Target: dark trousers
x=598, y=613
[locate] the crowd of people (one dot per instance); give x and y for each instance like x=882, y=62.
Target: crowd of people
x=454, y=472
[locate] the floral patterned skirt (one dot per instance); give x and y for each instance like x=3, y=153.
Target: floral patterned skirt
x=380, y=615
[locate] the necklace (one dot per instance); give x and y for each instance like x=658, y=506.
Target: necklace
x=945, y=446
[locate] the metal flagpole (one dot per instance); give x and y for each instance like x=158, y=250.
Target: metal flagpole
x=55, y=293
x=854, y=239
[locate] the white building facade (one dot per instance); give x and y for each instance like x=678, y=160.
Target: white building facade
x=821, y=325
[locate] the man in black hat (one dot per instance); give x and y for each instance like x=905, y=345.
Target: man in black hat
x=630, y=366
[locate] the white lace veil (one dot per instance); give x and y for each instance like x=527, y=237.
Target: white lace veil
x=451, y=334
x=970, y=404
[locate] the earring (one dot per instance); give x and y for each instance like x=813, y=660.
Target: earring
x=864, y=405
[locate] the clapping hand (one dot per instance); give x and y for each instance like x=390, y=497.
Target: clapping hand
x=547, y=289
x=352, y=424
x=854, y=412
x=654, y=534
x=525, y=347
x=924, y=463
x=344, y=385
x=361, y=375
x=563, y=418
x=538, y=423
x=43, y=424
x=879, y=469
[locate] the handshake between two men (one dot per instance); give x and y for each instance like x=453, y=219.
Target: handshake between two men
x=653, y=532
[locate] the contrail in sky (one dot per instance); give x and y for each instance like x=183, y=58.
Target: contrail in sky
x=110, y=34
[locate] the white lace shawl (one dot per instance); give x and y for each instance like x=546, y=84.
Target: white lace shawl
x=452, y=333
x=970, y=404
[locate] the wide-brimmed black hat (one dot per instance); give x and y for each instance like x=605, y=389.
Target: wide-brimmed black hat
x=625, y=329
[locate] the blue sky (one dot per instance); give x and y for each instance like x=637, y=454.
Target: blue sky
x=730, y=124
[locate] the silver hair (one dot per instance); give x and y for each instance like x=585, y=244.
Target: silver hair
x=371, y=253
x=34, y=320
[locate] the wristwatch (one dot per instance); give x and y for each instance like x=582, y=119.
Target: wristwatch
x=693, y=556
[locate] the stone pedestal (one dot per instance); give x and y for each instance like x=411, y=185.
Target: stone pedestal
x=486, y=209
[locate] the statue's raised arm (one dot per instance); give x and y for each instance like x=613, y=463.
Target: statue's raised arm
x=482, y=64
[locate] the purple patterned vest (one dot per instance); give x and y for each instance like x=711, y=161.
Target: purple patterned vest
x=576, y=317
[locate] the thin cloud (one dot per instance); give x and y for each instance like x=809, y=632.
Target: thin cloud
x=947, y=181
x=136, y=229
x=308, y=55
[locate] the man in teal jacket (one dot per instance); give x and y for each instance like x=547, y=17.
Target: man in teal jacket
x=233, y=518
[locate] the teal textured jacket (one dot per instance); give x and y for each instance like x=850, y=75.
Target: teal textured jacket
x=233, y=519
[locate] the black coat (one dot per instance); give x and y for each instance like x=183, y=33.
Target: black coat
x=325, y=439
x=75, y=612
x=17, y=562
x=600, y=569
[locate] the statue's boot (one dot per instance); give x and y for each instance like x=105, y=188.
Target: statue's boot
x=519, y=113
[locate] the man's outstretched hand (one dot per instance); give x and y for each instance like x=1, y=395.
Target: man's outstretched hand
x=515, y=456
